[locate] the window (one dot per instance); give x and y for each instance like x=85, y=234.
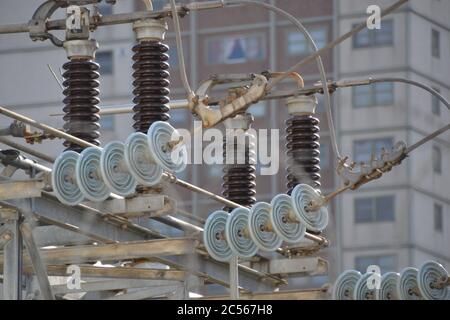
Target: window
x=298, y=45
x=378, y=209
x=105, y=8
x=437, y=159
x=377, y=37
x=438, y=218
x=324, y=155
x=436, y=103
x=105, y=60
x=435, y=43
x=364, y=149
x=387, y=263
x=235, y=49
x=107, y=122
x=378, y=94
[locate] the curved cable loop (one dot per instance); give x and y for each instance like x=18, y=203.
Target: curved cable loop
x=179, y=43
x=320, y=65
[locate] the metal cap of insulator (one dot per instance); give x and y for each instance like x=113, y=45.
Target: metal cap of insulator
x=302, y=143
x=150, y=29
x=81, y=49
x=301, y=105
x=240, y=121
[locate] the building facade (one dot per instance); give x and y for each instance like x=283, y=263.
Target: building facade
x=403, y=219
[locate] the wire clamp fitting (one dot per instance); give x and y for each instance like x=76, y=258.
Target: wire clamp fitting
x=209, y=116
x=356, y=175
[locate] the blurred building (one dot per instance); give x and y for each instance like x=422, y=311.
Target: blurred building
x=398, y=221
x=403, y=219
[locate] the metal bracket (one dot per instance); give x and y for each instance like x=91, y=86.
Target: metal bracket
x=21, y=189
x=36, y=261
x=5, y=237
x=148, y=205
x=8, y=171
x=306, y=266
x=37, y=26
x=357, y=175
x=9, y=214
x=169, y=206
x=210, y=117
x=115, y=284
x=18, y=129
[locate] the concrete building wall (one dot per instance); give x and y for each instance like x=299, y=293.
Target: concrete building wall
x=412, y=237
x=382, y=57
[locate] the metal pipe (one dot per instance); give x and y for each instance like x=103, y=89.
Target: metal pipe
x=414, y=83
x=179, y=224
x=121, y=18
x=171, y=178
x=46, y=128
x=27, y=150
x=322, y=241
x=21, y=162
x=183, y=104
x=128, y=108
x=5, y=131
x=190, y=216
x=14, y=28
x=427, y=138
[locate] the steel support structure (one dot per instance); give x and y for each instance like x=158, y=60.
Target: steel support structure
x=12, y=252
x=107, y=228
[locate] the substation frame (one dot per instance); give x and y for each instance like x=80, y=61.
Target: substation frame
x=40, y=239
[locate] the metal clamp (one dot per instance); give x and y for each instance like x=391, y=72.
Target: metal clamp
x=357, y=175
x=37, y=26
x=38, y=23
x=200, y=107
x=9, y=214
